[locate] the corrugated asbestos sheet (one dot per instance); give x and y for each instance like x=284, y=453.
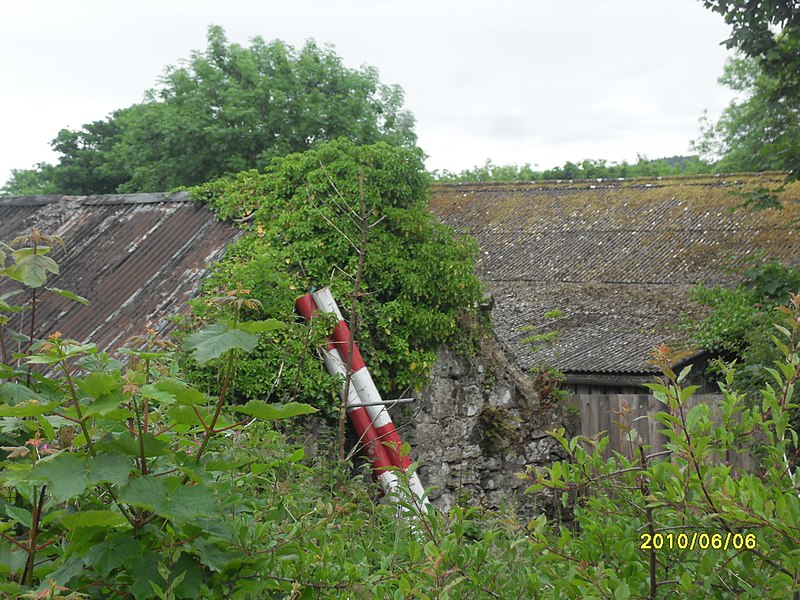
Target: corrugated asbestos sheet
x=138, y=258
x=618, y=258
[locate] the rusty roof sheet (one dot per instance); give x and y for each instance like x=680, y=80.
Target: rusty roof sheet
x=617, y=257
x=138, y=258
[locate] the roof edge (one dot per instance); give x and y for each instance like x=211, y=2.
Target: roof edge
x=700, y=179
x=100, y=199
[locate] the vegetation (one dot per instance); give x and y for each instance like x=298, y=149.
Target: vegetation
x=587, y=169
x=224, y=110
x=126, y=481
x=741, y=320
x=305, y=229
x=759, y=130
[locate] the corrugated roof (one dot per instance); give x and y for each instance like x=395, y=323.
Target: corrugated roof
x=138, y=258
x=616, y=257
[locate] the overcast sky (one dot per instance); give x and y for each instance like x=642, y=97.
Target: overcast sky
x=522, y=81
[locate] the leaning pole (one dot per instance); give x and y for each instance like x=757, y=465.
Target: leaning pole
x=366, y=409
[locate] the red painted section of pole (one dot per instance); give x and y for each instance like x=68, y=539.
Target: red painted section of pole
x=341, y=341
x=377, y=453
x=368, y=394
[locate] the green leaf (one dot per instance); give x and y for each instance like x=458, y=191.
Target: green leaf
x=67, y=474
x=69, y=295
x=152, y=392
x=32, y=269
x=160, y=495
x=213, y=341
x=104, y=405
x=14, y=393
x=182, y=392
x=260, y=326
x=185, y=415
x=120, y=549
x=29, y=408
x=93, y=518
x=271, y=412
x=127, y=444
x=98, y=384
x=20, y=515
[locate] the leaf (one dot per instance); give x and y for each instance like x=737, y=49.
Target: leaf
x=106, y=556
x=213, y=341
x=215, y=557
x=93, y=518
x=181, y=392
x=127, y=444
x=271, y=412
x=152, y=392
x=98, y=384
x=260, y=326
x=28, y=408
x=32, y=269
x=67, y=474
x=104, y=405
x=69, y=295
x=14, y=393
x=20, y=515
x=157, y=494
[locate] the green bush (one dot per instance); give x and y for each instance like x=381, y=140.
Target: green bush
x=303, y=225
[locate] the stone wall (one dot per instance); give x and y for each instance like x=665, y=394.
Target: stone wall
x=476, y=424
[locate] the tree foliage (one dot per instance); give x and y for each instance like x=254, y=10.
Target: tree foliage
x=761, y=131
x=303, y=233
x=226, y=109
x=587, y=169
x=754, y=132
x=740, y=321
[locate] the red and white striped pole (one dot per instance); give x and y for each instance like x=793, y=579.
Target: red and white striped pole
x=368, y=393
x=358, y=416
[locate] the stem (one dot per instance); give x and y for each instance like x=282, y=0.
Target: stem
x=362, y=251
x=4, y=358
x=220, y=402
x=31, y=331
x=693, y=458
x=142, y=457
x=650, y=527
x=27, y=575
x=90, y=445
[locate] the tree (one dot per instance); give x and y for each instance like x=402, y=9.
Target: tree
x=30, y=182
x=586, y=169
x=755, y=133
x=224, y=110
x=767, y=33
x=417, y=283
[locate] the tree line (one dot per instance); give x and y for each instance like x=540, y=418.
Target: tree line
x=232, y=108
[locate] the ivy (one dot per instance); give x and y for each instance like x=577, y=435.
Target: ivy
x=418, y=276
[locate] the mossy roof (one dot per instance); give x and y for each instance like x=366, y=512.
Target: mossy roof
x=616, y=257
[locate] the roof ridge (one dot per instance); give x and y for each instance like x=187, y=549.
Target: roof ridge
x=97, y=199
x=632, y=182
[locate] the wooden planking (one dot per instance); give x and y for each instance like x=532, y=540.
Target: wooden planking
x=603, y=412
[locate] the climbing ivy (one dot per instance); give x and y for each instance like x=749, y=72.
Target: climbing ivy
x=303, y=228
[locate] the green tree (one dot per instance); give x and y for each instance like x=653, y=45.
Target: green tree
x=755, y=132
x=30, y=182
x=586, y=169
x=417, y=277
x=227, y=109
x=765, y=125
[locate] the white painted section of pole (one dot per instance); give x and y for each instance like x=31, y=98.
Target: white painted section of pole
x=326, y=303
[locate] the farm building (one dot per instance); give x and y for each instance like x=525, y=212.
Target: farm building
x=137, y=258
x=608, y=264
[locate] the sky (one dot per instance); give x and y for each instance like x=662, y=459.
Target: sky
x=515, y=81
